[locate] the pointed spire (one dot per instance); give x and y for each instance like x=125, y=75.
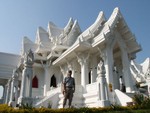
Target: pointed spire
x=101, y=19
x=49, y=27
x=27, y=40
x=41, y=35
x=51, y=24
x=76, y=26
x=68, y=26
x=26, y=44
x=41, y=30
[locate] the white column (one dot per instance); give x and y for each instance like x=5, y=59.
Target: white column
x=23, y=81
x=26, y=85
x=46, y=79
x=16, y=93
x=13, y=84
x=126, y=72
x=6, y=86
x=84, y=69
x=93, y=70
x=8, y=91
x=12, y=92
x=102, y=85
x=30, y=81
x=4, y=93
x=109, y=65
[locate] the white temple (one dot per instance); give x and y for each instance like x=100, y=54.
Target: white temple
x=97, y=57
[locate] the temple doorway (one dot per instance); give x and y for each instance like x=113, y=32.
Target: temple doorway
x=53, y=81
x=90, y=77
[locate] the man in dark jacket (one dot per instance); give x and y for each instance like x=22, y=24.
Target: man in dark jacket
x=69, y=88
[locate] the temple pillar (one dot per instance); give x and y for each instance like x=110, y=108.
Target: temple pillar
x=8, y=91
x=93, y=70
x=26, y=85
x=103, y=100
x=13, y=84
x=46, y=78
x=23, y=84
x=109, y=66
x=16, y=93
x=12, y=93
x=126, y=72
x=4, y=93
x=83, y=61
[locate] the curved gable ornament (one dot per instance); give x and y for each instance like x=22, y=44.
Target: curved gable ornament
x=115, y=16
x=95, y=28
x=73, y=34
x=68, y=26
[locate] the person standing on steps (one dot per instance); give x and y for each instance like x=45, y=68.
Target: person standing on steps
x=122, y=86
x=69, y=88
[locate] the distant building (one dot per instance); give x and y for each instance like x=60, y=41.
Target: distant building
x=43, y=64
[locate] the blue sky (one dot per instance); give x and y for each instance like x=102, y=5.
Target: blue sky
x=19, y=18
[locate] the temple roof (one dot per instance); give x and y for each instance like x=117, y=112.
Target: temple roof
x=116, y=21
x=100, y=31
x=70, y=38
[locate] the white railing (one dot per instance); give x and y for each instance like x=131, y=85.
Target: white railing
x=54, y=90
x=51, y=98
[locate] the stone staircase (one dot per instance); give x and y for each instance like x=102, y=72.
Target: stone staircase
x=90, y=98
x=77, y=98
x=76, y=102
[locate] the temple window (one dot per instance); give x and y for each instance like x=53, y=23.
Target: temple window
x=35, y=82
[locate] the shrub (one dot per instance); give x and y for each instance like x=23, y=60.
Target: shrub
x=141, y=101
x=115, y=109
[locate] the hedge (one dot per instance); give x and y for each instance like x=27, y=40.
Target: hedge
x=114, y=109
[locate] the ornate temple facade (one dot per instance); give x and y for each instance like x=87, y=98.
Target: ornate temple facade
x=101, y=59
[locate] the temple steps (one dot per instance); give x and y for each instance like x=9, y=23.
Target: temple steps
x=76, y=102
x=90, y=99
